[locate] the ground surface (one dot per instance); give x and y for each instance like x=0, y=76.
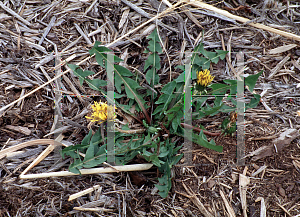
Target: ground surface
x=27, y=61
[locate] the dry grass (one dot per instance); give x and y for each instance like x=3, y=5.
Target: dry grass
x=38, y=38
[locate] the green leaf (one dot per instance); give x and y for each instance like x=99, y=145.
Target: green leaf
x=164, y=98
x=163, y=154
x=200, y=63
x=153, y=60
x=151, y=73
x=73, y=168
x=219, y=89
x=154, y=159
x=226, y=109
x=154, y=45
x=135, y=144
x=95, y=84
x=87, y=138
x=118, y=96
x=212, y=56
x=218, y=101
x=200, y=100
x=174, y=110
x=164, y=186
x=123, y=71
x=231, y=82
x=169, y=87
x=130, y=88
x=89, y=159
x=118, y=83
x=177, y=120
x=232, y=87
x=195, y=69
x=96, y=139
x=71, y=150
x=180, y=78
x=253, y=102
x=221, y=54
x=200, y=141
x=251, y=80
x=73, y=67
x=195, y=54
x=102, y=49
x=88, y=73
x=93, y=155
x=97, y=44
x=102, y=155
x=100, y=57
x=117, y=59
x=78, y=72
x=167, y=97
x=181, y=67
x=177, y=159
x=196, y=60
x=158, y=109
x=205, y=63
x=163, y=190
x=209, y=110
x=147, y=153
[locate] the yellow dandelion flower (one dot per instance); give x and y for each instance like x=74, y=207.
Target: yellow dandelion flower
x=102, y=112
x=204, y=78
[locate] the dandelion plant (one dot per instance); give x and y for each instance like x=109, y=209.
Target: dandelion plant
x=153, y=141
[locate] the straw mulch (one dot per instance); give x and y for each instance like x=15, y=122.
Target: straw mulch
x=38, y=38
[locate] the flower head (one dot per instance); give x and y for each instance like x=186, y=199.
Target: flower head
x=204, y=78
x=102, y=112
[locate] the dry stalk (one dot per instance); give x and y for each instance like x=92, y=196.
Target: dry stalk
x=4, y=152
x=197, y=3
x=125, y=168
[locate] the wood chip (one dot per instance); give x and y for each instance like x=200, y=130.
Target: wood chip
x=47, y=30
x=142, y=12
x=279, y=66
x=282, y=49
x=4, y=17
x=262, y=168
x=277, y=145
x=7, y=9
x=243, y=182
x=84, y=192
x=19, y=129
x=197, y=202
x=263, y=209
x=227, y=205
x=83, y=34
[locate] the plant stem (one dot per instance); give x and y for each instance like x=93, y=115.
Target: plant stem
x=199, y=130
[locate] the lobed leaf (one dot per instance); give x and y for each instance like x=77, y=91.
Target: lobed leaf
x=200, y=141
x=154, y=45
x=251, y=80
